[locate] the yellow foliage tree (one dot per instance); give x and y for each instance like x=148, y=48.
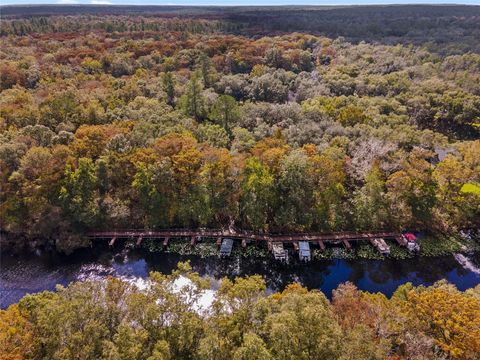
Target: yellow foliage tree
x=16, y=338
x=451, y=317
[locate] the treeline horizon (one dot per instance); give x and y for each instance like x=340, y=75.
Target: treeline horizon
x=443, y=28
x=177, y=317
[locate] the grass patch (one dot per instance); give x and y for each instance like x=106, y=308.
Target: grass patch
x=367, y=251
x=333, y=253
x=399, y=252
x=251, y=251
x=438, y=245
x=201, y=249
x=430, y=245
x=152, y=245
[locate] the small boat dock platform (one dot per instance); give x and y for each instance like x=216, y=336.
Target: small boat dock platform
x=226, y=247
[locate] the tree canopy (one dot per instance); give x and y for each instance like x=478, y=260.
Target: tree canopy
x=148, y=122
x=163, y=319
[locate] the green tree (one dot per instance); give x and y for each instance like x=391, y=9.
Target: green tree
x=168, y=84
x=274, y=57
x=58, y=108
x=225, y=112
x=69, y=324
x=128, y=344
x=294, y=193
x=213, y=134
x=411, y=192
x=301, y=326
x=153, y=203
x=370, y=201
x=205, y=67
x=193, y=101
x=252, y=348
x=78, y=192
x=169, y=318
x=456, y=207
x=220, y=186
x=233, y=318
x=330, y=194
x=257, y=194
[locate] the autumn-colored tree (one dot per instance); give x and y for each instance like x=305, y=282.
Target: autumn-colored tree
x=451, y=318
x=390, y=136
x=171, y=318
x=412, y=191
x=454, y=206
x=270, y=151
x=328, y=174
x=16, y=336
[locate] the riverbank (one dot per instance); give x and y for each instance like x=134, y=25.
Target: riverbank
x=35, y=272
x=430, y=246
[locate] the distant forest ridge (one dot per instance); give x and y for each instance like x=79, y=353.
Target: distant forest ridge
x=445, y=29
x=392, y=11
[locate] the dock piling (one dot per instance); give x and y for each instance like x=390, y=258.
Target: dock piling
x=346, y=244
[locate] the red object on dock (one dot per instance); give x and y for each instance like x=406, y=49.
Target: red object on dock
x=410, y=237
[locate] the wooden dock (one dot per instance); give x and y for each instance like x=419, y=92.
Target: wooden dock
x=318, y=238
x=301, y=242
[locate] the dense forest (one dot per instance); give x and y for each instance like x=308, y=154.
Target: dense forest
x=135, y=121
x=446, y=29
x=174, y=317
x=282, y=119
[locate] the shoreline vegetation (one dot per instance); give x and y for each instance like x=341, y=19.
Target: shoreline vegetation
x=180, y=316
x=430, y=245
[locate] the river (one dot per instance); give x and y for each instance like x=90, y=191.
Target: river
x=31, y=273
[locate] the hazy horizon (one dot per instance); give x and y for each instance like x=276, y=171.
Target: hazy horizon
x=239, y=2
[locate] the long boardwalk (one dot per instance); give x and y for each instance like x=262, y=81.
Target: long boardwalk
x=197, y=234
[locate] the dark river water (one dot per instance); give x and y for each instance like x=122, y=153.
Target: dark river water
x=31, y=273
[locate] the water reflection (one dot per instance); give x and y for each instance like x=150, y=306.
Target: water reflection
x=33, y=273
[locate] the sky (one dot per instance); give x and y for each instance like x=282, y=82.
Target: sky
x=239, y=2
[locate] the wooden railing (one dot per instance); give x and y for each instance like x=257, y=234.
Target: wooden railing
x=247, y=235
